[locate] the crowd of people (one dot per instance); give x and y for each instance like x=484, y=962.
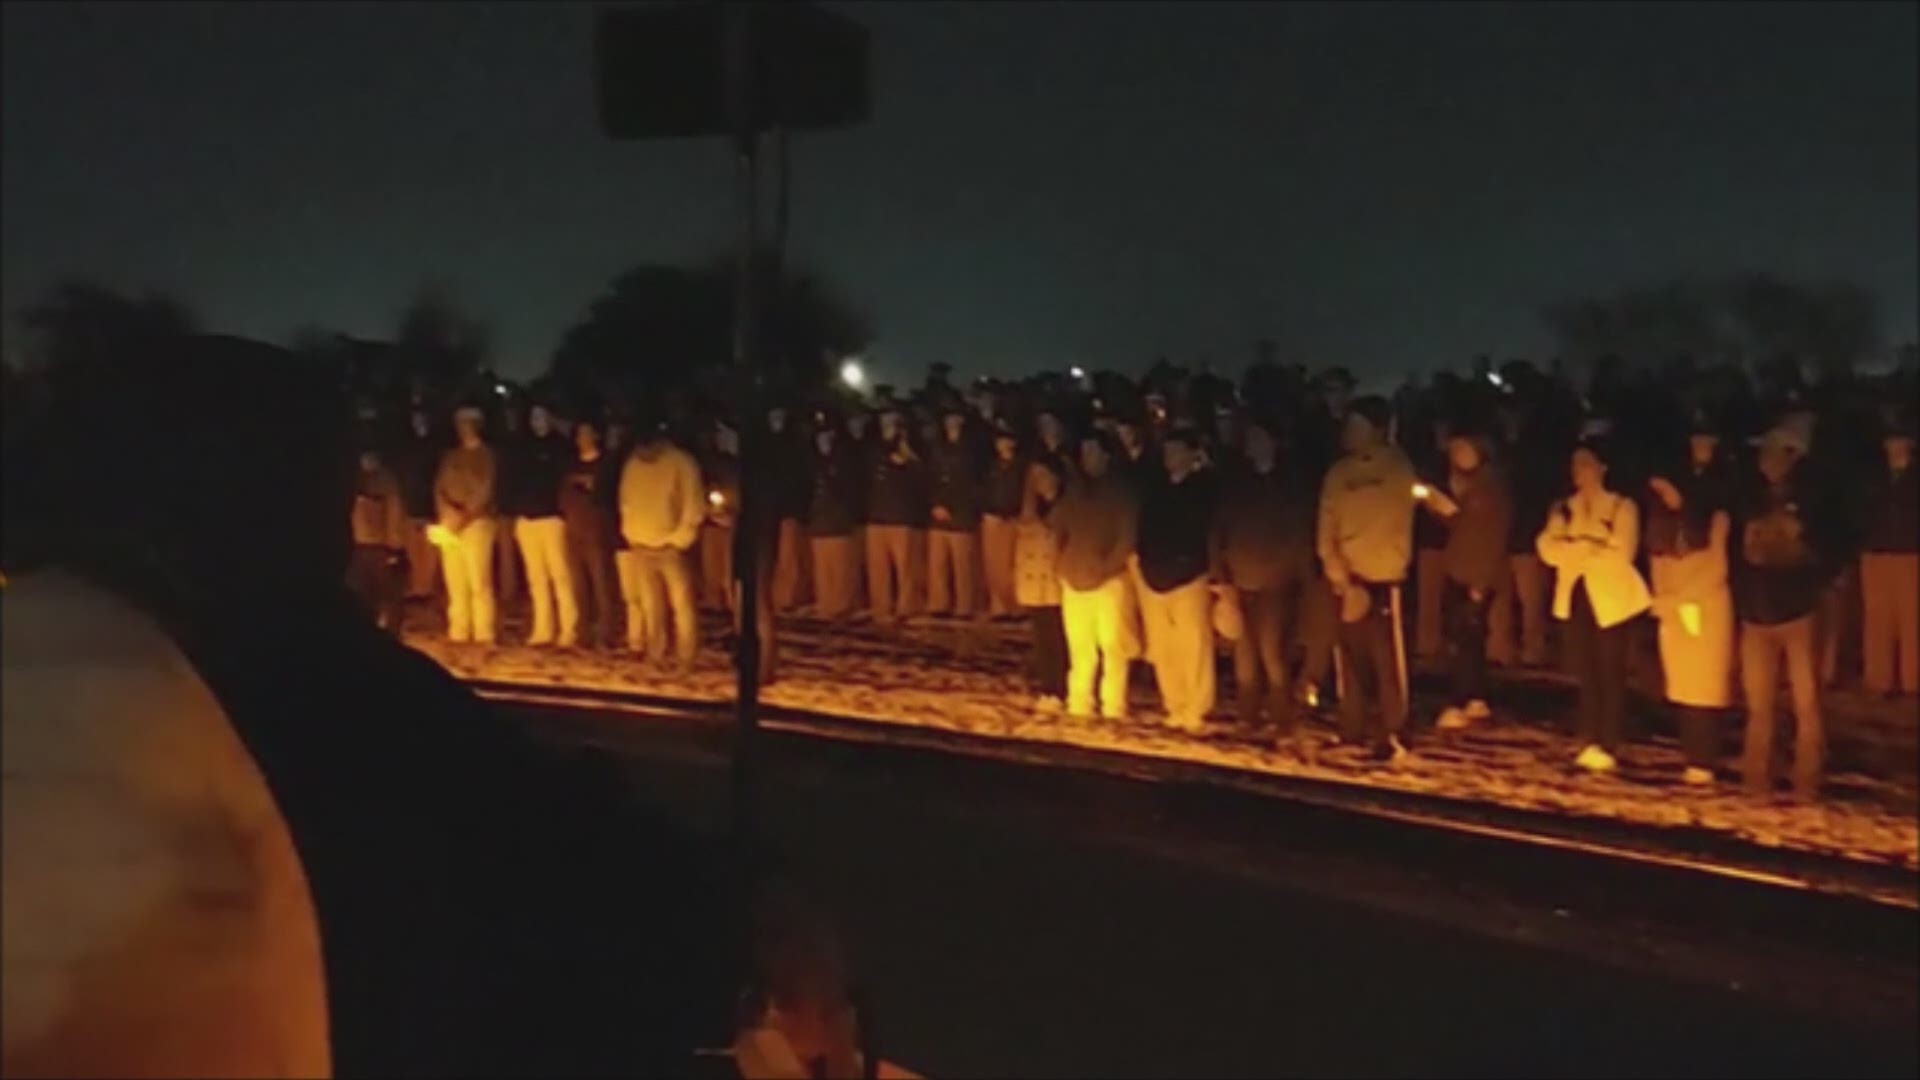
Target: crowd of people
x=1748, y=521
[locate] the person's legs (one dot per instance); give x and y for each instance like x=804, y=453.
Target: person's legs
x=453, y=564
x=1531, y=588
x=539, y=581
x=423, y=560
x=1050, y=652
x=963, y=549
x=1381, y=642
x=1154, y=622
x=1583, y=663
x=508, y=568
x=1467, y=636
x=627, y=569
x=785, y=584
x=1905, y=578
x=1809, y=743
x=911, y=555
x=1080, y=615
x=1430, y=575
x=879, y=569
x=1112, y=641
x=1270, y=638
x=1249, y=673
x=477, y=544
x=996, y=554
x=1699, y=735
x=595, y=564
x=940, y=567
x=1193, y=621
x=654, y=601
x=551, y=533
x=832, y=575
x=1319, y=630
x=716, y=567
x=1759, y=675
x=1502, y=649
x=1356, y=657
x=676, y=572
x=1610, y=646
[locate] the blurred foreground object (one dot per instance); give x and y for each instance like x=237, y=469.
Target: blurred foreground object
x=157, y=918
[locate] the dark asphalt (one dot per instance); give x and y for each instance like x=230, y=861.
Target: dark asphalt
x=1019, y=921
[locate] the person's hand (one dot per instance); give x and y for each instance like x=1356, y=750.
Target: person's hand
x=1668, y=494
x=1338, y=576
x=941, y=515
x=1476, y=595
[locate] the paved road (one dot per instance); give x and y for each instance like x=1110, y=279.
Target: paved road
x=1033, y=922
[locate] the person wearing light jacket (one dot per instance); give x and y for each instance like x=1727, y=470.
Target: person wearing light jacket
x=1477, y=508
x=463, y=497
x=1687, y=530
x=1365, y=541
x=662, y=505
x=1590, y=540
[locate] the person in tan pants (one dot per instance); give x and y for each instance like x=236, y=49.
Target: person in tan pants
x=896, y=519
x=831, y=523
x=1001, y=490
x=1890, y=571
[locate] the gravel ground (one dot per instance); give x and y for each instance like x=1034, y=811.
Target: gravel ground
x=967, y=679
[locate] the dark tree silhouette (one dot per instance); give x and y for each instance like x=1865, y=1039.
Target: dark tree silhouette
x=1757, y=317
x=664, y=329
x=438, y=342
x=84, y=329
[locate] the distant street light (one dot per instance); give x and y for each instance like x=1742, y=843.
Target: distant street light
x=1077, y=371
x=852, y=374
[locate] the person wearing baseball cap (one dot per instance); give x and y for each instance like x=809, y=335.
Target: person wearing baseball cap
x=1782, y=563
x=1890, y=566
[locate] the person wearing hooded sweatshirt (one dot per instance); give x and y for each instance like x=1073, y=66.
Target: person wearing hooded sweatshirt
x=1094, y=526
x=1688, y=527
x=1591, y=539
x=1890, y=569
x=1001, y=491
x=586, y=500
x=1176, y=606
x=1783, y=562
x=953, y=536
x=463, y=496
x=896, y=519
x=1477, y=508
x=1365, y=540
x=662, y=504
x=541, y=533
x=1264, y=532
x=833, y=519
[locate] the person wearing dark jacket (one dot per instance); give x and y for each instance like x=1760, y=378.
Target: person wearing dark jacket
x=896, y=519
x=1094, y=525
x=1477, y=509
x=953, y=536
x=541, y=533
x=1176, y=607
x=791, y=490
x=720, y=470
x=832, y=518
x=414, y=462
x=1001, y=491
x=1782, y=564
x=1429, y=457
x=1890, y=569
x=1263, y=530
x=589, y=506
x=378, y=569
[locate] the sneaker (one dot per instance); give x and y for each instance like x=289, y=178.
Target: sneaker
x=1695, y=776
x=1048, y=705
x=1478, y=710
x=1391, y=750
x=1595, y=760
x=1452, y=719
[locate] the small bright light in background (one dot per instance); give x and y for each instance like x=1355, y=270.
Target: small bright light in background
x=1494, y=378
x=500, y=388
x=1077, y=371
x=1421, y=491
x=716, y=499
x=853, y=374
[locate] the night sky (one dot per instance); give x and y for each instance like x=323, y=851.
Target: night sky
x=1386, y=186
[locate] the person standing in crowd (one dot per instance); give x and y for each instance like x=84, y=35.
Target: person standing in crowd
x=1364, y=538
x=1051, y=442
x=1264, y=532
x=1783, y=565
x=1591, y=539
x=1037, y=584
x=1430, y=461
x=721, y=471
x=506, y=546
x=1094, y=527
x=463, y=496
x=1688, y=526
x=414, y=464
x=587, y=506
x=896, y=519
x=953, y=545
x=790, y=492
x=377, y=572
x=832, y=517
x=1477, y=510
x=662, y=505
x=1175, y=539
x=1890, y=568
x=541, y=533
x=1526, y=595
x=1001, y=491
